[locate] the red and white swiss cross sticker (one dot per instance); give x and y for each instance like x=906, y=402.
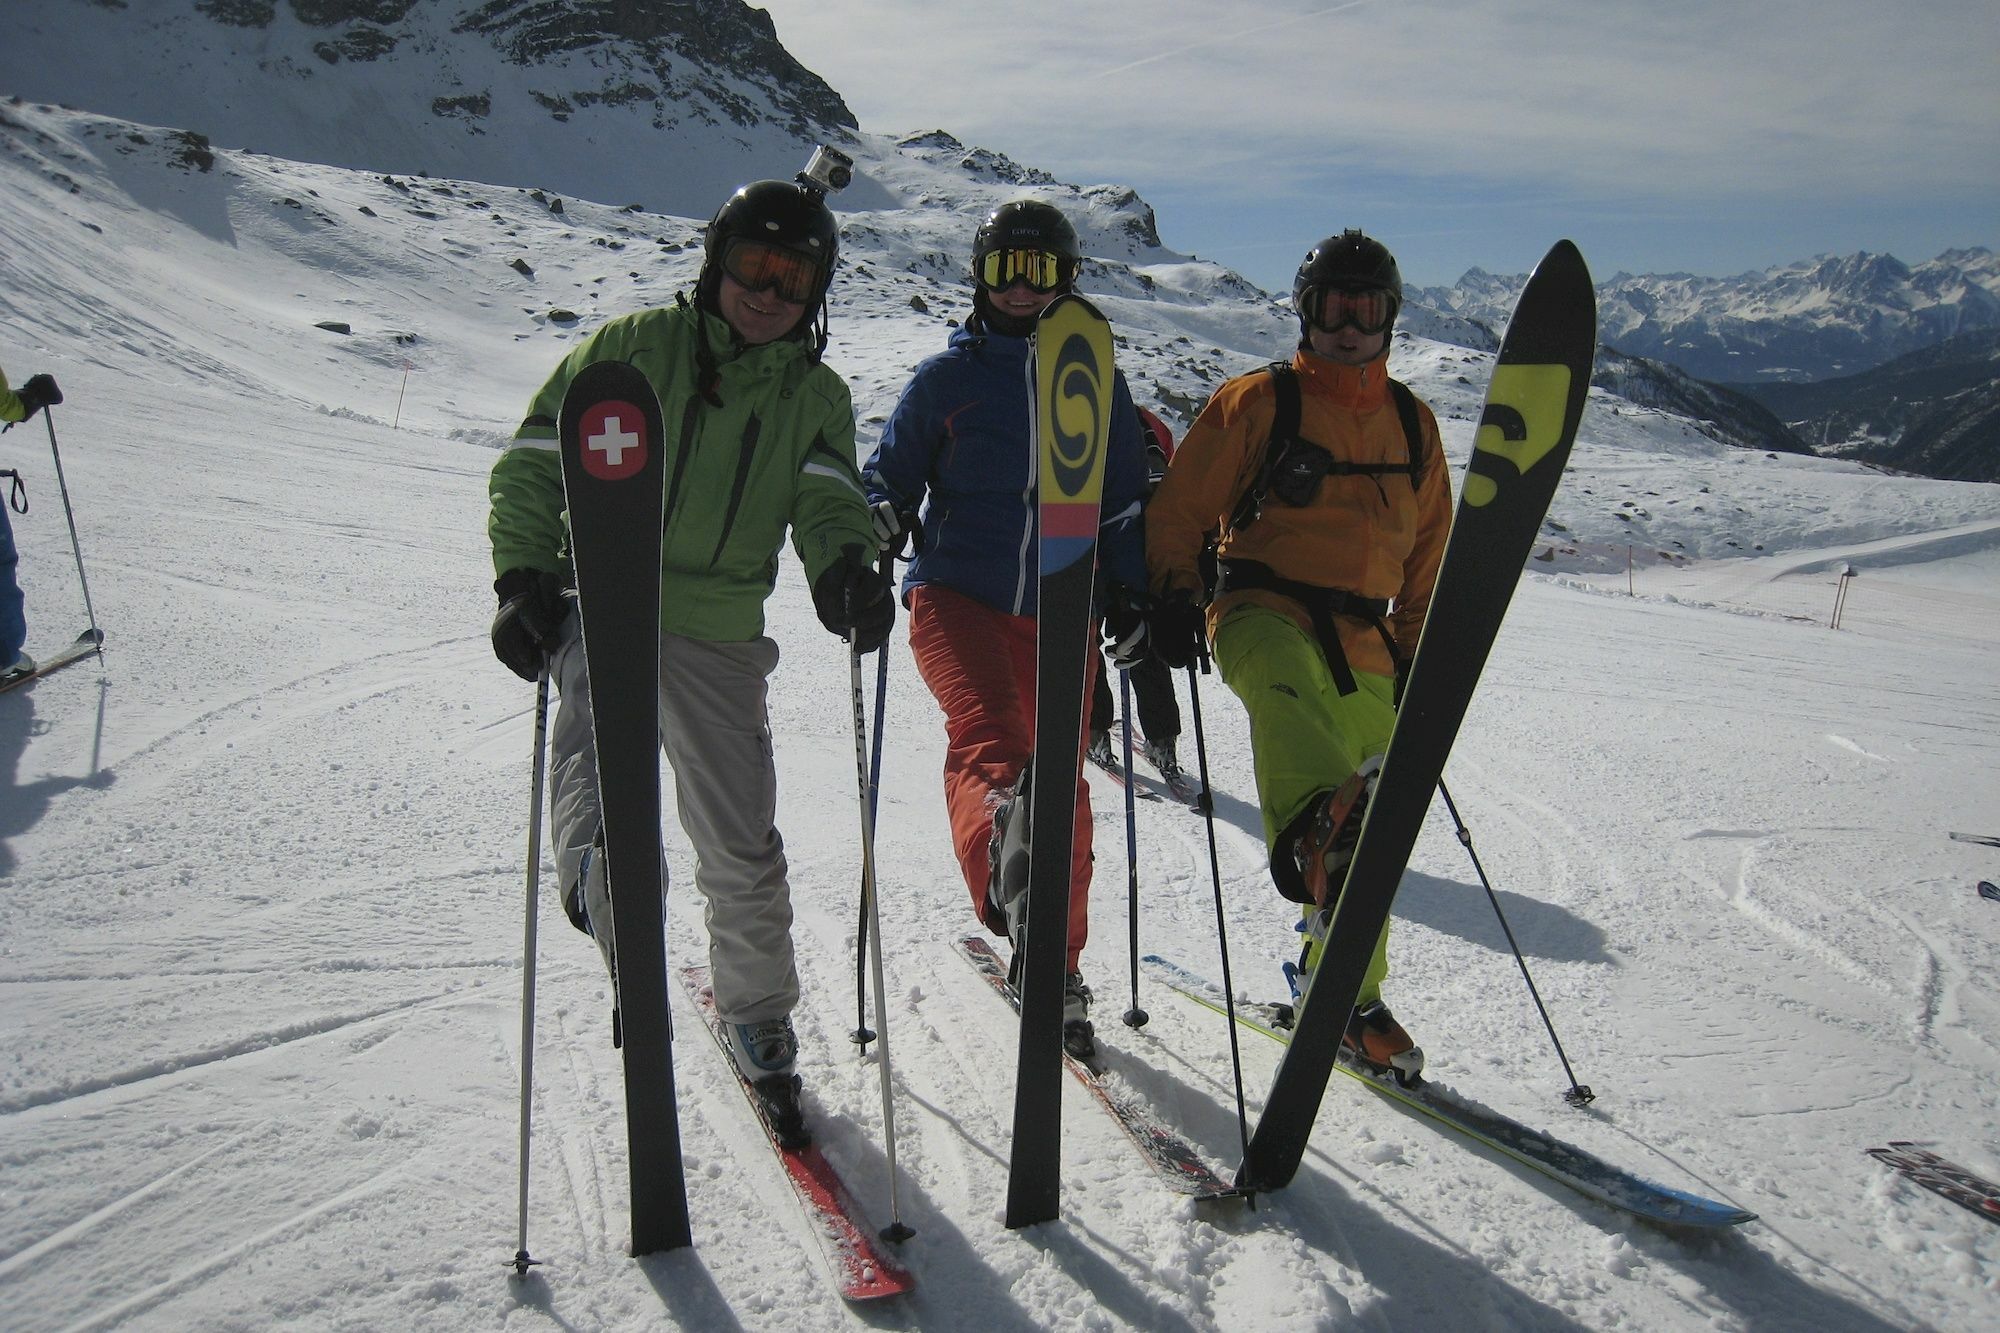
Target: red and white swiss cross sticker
x=614, y=440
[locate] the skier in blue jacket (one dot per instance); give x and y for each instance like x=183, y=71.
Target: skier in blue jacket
x=961, y=444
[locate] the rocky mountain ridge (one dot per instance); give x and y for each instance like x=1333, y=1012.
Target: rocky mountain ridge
x=1812, y=319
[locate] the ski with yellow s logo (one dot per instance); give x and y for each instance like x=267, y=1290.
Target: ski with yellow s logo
x=1074, y=387
x=1533, y=406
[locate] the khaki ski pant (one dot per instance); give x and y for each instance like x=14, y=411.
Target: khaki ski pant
x=716, y=731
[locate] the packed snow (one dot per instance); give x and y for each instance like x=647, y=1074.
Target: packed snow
x=262, y=871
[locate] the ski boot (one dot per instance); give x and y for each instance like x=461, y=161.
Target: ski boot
x=1079, y=1038
x=1160, y=754
x=766, y=1054
x=1376, y=1042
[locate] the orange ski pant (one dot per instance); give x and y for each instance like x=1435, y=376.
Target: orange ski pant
x=979, y=662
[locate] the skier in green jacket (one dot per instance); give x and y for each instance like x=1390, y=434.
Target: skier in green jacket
x=760, y=439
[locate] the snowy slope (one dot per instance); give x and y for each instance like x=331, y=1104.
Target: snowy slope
x=261, y=908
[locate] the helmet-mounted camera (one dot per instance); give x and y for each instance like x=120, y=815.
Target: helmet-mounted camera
x=828, y=171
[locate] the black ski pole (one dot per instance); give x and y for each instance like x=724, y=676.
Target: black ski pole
x=862, y=1033
x=1135, y=1017
x=1215, y=877
x=96, y=634
x=521, y=1263
x=1578, y=1094
x=896, y=1230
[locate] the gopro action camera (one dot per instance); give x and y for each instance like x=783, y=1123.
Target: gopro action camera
x=829, y=170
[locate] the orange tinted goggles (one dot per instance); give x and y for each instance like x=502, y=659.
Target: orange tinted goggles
x=1370, y=309
x=761, y=266
x=1041, y=270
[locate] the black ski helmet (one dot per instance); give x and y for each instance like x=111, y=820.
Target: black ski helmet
x=783, y=213
x=1351, y=260
x=1028, y=224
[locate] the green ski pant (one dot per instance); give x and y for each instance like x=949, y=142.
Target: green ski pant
x=1305, y=736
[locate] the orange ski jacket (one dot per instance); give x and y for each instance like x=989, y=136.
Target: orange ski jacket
x=1374, y=536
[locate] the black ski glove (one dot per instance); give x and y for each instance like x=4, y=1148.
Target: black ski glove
x=1127, y=641
x=39, y=392
x=529, y=623
x=853, y=601
x=1179, y=630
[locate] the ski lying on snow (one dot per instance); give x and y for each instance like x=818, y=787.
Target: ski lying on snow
x=1176, y=1161
x=863, y=1271
x=1182, y=787
x=90, y=642
x=1583, y=1172
x=1983, y=839
x=1117, y=769
x=1988, y=889
x=1916, y=1163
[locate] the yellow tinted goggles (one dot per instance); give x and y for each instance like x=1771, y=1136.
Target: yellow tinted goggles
x=1041, y=270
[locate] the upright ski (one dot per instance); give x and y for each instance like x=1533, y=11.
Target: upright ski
x=862, y=1270
x=1533, y=406
x=1073, y=373
x=613, y=478
x=88, y=643
x=1586, y=1173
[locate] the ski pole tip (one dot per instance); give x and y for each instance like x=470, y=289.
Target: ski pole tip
x=1135, y=1017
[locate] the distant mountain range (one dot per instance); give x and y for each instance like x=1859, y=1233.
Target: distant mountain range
x=671, y=103
x=1833, y=315
x=1858, y=356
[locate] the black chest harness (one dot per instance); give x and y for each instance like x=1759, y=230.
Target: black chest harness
x=1290, y=473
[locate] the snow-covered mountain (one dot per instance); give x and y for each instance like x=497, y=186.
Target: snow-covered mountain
x=1935, y=411
x=1833, y=315
x=666, y=103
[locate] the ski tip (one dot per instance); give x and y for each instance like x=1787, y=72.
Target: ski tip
x=1069, y=301
x=1564, y=255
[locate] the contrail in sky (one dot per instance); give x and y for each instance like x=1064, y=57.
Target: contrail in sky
x=1244, y=32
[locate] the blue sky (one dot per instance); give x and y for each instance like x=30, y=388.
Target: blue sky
x=1671, y=135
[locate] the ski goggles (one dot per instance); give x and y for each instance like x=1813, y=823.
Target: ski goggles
x=1040, y=269
x=761, y=266
x=1369, y=309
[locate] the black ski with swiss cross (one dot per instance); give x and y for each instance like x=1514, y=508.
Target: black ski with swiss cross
x=1533, y=406
x=614, y=478
x=1073, y=373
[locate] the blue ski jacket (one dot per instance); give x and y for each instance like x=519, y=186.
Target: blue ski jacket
x=960, y=443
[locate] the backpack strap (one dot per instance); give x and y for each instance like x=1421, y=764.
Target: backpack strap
x=1284, y=430
x=1284, y=437
x=1413, y=430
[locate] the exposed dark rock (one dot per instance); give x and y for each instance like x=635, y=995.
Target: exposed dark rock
x=239, y=13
